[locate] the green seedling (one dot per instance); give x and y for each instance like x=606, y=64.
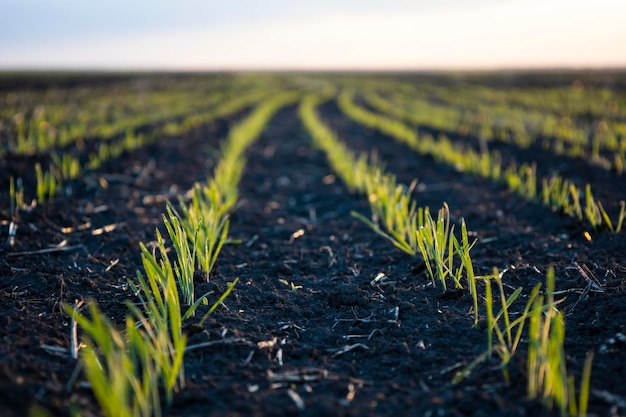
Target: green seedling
x=463, y=250
x=506, y=344
x=16, y=197
x=507, y=332
x=158, y=290
x=555, y=193
x=68, y=165
x=576, y=208
x=291, y=285
x=159, y=297
x=592, y=211
x=597, y=215
x=437, y=243
x=513, y=117
x=47, y=184
x=394, y=215
x=205, y=218
x=184, y=264
x=547, y=372
x=121, y=370
x=205, y=223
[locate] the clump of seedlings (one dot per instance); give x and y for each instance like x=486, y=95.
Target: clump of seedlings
x=547, y=376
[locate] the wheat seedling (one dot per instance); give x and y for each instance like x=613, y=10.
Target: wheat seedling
x=508, y=334
x=547, y=371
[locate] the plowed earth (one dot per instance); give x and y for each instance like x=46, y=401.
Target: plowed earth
x=305, y=332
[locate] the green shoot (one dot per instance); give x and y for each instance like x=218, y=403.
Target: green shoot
x=16, y=197
x=122, y=372
x=620, y=218
x=547, y=373
x=436, y=243
x=184, y=267
x=46, y=184
x=463, y=250
x=205, y=223
x=68, y=165
x=502, y=338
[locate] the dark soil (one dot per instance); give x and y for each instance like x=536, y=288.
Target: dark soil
x=305, y=321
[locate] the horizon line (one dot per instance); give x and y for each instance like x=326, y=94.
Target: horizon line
x=191, y=70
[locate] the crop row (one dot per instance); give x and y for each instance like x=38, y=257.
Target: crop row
x=414, y=231
x=559, y=193
x=394, y=214
x=33, y=127
x=72, y=163
x=127, y=370
x=554, y=120
x=29, y=126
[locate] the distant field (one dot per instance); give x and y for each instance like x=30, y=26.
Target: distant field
x=313, y=244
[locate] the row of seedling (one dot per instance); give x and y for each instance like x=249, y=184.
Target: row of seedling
x=130, y=370
x=560, y=194
x=394, y=213
x=43, y=122
x=601, y=142
x=52, y=125
x=394, y=217
x=578, y=103
x=68, y=166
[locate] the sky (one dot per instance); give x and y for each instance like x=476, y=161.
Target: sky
x=311, y=35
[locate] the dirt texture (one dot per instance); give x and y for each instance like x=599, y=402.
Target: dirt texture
x=306, y=332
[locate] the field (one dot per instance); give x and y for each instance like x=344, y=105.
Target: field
x=442, y=244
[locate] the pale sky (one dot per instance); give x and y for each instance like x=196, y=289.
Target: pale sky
x=314, y=34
